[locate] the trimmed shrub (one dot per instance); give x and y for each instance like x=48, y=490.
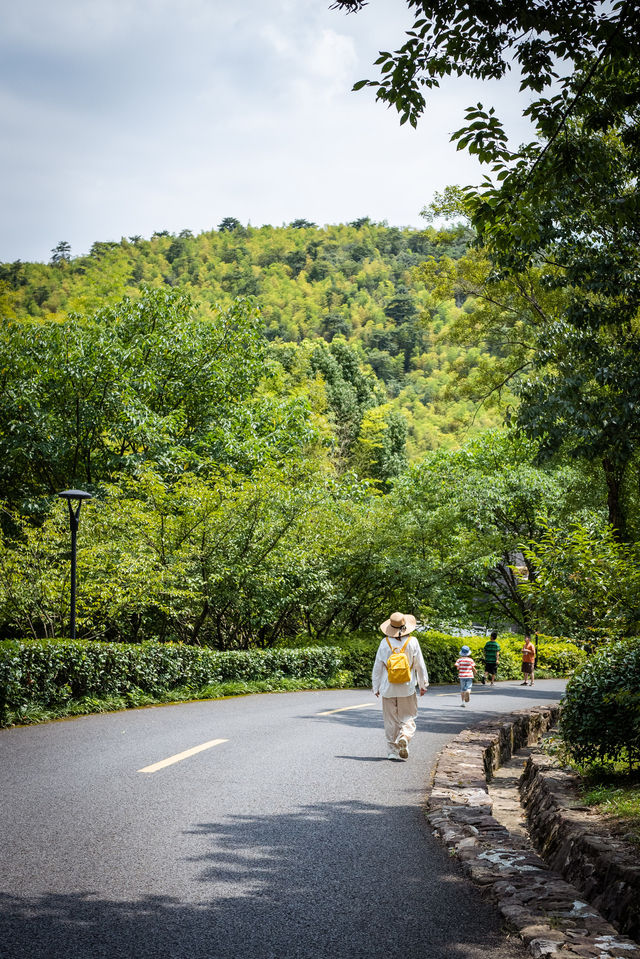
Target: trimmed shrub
x=509, y=666
x=554, y=658
x=54, y=674
x=559, y=658
x=600, y=720
x=357, y=658
x=440, y=652
x=50, y=673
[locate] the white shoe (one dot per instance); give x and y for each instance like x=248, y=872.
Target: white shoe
x=403, y=748
x=392, y=755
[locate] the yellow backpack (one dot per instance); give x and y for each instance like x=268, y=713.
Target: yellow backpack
x=398, y=667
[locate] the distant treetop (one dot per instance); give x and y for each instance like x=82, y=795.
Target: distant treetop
x=61, y=253
x=229, y=224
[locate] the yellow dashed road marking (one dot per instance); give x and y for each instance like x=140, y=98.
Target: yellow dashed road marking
x=343, y=709
x=179, y=756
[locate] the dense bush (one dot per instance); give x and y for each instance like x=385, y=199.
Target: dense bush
x=601, y=716
x=558, y=657
x=81, y=676
x=49, y=673
x=440, y=651
x=357, y=658
x=554, y=657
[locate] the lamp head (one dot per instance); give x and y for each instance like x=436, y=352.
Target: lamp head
x=75, y=494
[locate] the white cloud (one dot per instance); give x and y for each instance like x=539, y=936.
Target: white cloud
x=129, y=116
x=333, y=57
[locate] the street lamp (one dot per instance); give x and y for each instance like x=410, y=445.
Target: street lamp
x=74, y=521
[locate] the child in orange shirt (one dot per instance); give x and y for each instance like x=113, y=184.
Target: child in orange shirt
x=528, y=660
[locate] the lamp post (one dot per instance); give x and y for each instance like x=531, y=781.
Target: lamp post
x=74, y=521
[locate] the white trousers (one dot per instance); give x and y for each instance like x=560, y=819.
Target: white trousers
x=399, y=716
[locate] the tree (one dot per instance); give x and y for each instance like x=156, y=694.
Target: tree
x=379, y=453
x=349, y=392
x=574, y=391
x=144, y=380
x=402, y=306
x=330, y=282
x=545, y=41
x=221, y=560
x=587, y=585
x=572, y=224
x=573, y=206
x=587, y=52
x=228, y=224
x=61, y=253
x=471, y=511
x=584, y=400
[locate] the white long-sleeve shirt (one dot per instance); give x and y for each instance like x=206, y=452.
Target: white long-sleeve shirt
x=380, y=678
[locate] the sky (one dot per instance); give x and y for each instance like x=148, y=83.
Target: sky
x=125, y=117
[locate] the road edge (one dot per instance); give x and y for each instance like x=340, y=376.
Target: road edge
x=548, y=913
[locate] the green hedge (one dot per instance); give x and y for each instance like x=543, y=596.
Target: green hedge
x=559, y=657
x=600, y=719
x=440, y=651
x=53, y=674
x=49, y=673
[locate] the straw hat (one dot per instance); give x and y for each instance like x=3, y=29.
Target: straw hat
x=398, y=623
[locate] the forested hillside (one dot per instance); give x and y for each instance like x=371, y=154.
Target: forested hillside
x=355, y=282
x=280, y=431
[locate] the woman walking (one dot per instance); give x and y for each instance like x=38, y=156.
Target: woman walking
x=398, y=668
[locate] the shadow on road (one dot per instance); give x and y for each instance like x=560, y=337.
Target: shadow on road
x=365, y=759
x=344, y=880
x=533, y=695
x=440, y=711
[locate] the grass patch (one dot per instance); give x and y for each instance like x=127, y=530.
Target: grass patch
x=615, y=794
x=137, y=698
x=610, y=789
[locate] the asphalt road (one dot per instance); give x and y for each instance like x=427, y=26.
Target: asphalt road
x=293, y=838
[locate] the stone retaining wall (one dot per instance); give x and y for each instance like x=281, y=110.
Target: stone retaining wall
x=549, y=914
x=560, y=829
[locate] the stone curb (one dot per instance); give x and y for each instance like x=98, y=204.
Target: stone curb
x=601, y=868
x=547, y=912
